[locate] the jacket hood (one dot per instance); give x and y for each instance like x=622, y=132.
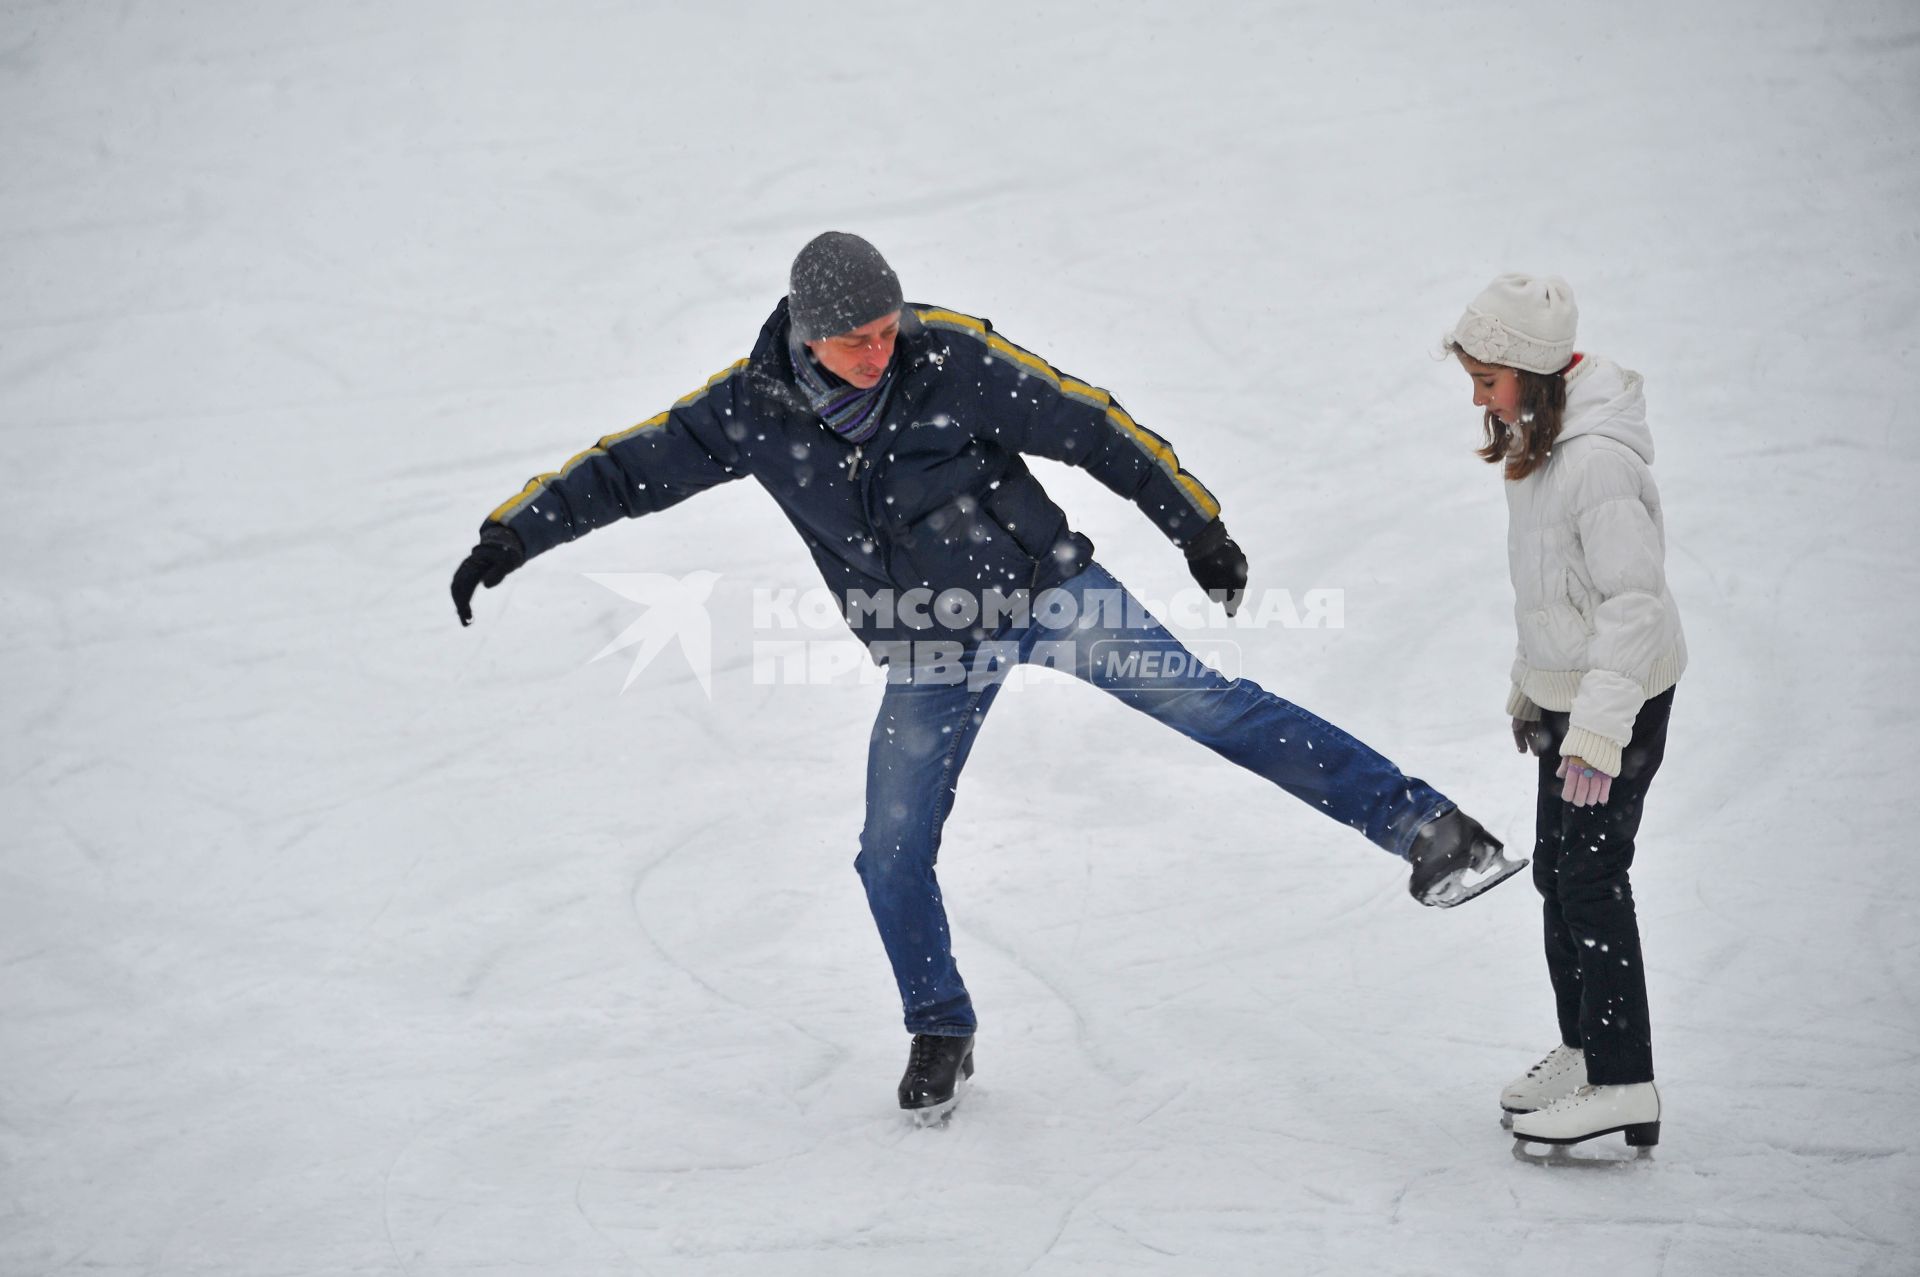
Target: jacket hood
x=1605, y=399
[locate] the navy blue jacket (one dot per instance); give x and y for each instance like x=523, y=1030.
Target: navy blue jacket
x=939, y=499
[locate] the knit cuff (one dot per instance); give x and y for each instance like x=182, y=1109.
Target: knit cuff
x=1600, y=753
x=1518, y=706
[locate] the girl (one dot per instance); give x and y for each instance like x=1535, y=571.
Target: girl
x=1600, y=651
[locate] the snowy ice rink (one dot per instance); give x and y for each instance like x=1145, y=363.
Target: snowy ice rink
x=337, y=939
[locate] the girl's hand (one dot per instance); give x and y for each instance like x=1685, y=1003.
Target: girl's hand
x=1586, y=786
x=1530, y=737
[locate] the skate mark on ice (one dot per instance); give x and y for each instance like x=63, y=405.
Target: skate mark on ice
x=1073, y=1208
x=527, y=936
x=1400, y=1196
x=834, y=1055
x=1137, y=1239
x=626, y=1256
x=1083, y=1035
x=1666, y=1250
x=1752, y=1229
x=419, y=852
x=386, y=1200
x=1836, y=1154
x=1179, y=1089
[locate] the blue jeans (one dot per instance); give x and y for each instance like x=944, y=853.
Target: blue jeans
x=928, y=720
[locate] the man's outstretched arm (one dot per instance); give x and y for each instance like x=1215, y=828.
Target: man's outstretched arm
x=649, y=467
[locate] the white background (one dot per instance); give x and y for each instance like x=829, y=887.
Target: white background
x=335, y=938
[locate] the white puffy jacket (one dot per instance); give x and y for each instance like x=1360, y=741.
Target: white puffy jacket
x=1599, y=633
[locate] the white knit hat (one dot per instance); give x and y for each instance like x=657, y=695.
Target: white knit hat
x=1522, y=321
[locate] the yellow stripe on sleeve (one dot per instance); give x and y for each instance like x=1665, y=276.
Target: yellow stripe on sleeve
x=514, y=504
x=1155, y=447
x=511, y=506
x=1026, y=359
x=936, y=318
x=1162, y=452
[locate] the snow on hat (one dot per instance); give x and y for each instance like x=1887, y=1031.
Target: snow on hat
x=1522, y=321
x=839, y=282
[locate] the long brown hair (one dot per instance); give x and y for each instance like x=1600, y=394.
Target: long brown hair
x=1527, y=446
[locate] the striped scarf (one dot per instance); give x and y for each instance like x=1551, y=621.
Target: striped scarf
x=850, y=412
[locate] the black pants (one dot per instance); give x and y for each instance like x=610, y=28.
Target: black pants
x=1580, y=860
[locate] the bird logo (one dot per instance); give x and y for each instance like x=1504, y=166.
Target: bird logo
x=676, y=610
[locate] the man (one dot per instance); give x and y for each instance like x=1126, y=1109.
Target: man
x=892, y=437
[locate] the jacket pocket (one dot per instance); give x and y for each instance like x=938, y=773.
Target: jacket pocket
x=1555, y=632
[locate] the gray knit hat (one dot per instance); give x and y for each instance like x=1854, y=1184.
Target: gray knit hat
x=1522, y=321
x=839, y=282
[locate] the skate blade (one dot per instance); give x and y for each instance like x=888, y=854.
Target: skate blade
x=934, y=1116
x=938, y=1115
x=1563, y=1155
x=1460, y=889
x=1639, y=1134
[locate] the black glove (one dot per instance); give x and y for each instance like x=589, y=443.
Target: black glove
x=1218, y=565
x=1530, y=736
x=488, y=563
